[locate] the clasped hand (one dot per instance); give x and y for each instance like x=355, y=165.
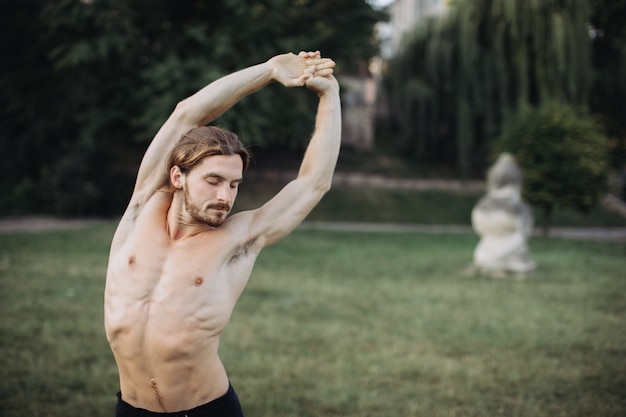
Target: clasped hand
x=306, y=68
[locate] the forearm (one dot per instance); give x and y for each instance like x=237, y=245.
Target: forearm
x=321, y=155
x=217, y=97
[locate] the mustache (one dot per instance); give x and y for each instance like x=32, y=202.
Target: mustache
x=219, y=206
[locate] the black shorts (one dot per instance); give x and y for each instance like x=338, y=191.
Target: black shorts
x=226, y=406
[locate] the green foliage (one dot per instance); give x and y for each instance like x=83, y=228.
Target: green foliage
x=562, y=153
x=63, y=103
x=87, y=81
x=608, y=96
x=455, y=77
x=192, y=46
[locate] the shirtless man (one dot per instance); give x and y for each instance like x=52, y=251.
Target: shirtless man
x=178, y=265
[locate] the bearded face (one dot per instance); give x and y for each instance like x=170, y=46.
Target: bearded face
x=213, y=214
x=211, y=187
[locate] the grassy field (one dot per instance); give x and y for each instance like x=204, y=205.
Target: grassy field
x=342, y=324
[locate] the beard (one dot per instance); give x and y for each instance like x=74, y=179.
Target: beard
x=202, y=214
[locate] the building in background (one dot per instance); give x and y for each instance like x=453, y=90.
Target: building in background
x=359, y=92
x=405, y=15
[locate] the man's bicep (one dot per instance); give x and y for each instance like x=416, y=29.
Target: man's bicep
x=153, y=173
x=283, y=213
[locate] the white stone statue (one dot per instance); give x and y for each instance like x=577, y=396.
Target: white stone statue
x=504, y=222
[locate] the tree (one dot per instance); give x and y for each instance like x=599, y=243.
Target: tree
x=64, y=99
x=89, y=82
x=221, y=37
x=608, y=95
x=455, y=77
x=562, y=153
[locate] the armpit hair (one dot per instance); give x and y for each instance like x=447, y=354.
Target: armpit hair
x=134, y=212
x=242, y=251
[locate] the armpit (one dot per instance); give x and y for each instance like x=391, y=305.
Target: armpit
x=133, y=212
x=242, y=251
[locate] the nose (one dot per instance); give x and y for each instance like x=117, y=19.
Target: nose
x=226, y=194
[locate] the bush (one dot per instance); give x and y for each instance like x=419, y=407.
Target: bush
x=562, y=153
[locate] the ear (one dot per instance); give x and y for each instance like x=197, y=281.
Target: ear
x=177, y=177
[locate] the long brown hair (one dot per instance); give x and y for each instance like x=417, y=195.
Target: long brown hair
x=204, y=141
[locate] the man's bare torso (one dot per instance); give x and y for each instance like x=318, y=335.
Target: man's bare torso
x=166, y=304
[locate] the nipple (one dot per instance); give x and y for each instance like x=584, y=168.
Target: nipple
x=198, y=281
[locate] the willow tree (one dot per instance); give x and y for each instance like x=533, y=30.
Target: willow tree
x=455, y=77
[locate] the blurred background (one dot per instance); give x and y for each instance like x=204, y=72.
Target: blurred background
x=357, y=323
x=431, y=89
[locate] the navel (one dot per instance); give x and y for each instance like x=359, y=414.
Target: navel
x=131, y=260
x=153, y=383
x=198, y=281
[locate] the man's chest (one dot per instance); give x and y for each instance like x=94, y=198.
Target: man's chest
x=151, y=268
x=171, y=288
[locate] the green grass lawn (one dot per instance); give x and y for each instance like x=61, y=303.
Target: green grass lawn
x=342, y=324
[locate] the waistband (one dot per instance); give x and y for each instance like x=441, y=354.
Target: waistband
x=123, y=409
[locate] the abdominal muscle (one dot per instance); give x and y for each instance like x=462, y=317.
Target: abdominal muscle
x=166, y=361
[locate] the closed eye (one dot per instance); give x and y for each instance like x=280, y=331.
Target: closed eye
x=217, y=180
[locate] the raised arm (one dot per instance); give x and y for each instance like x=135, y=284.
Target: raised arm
x=206, y=105
x=292, y=204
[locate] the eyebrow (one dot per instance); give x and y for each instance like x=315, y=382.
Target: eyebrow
x=221, y=177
